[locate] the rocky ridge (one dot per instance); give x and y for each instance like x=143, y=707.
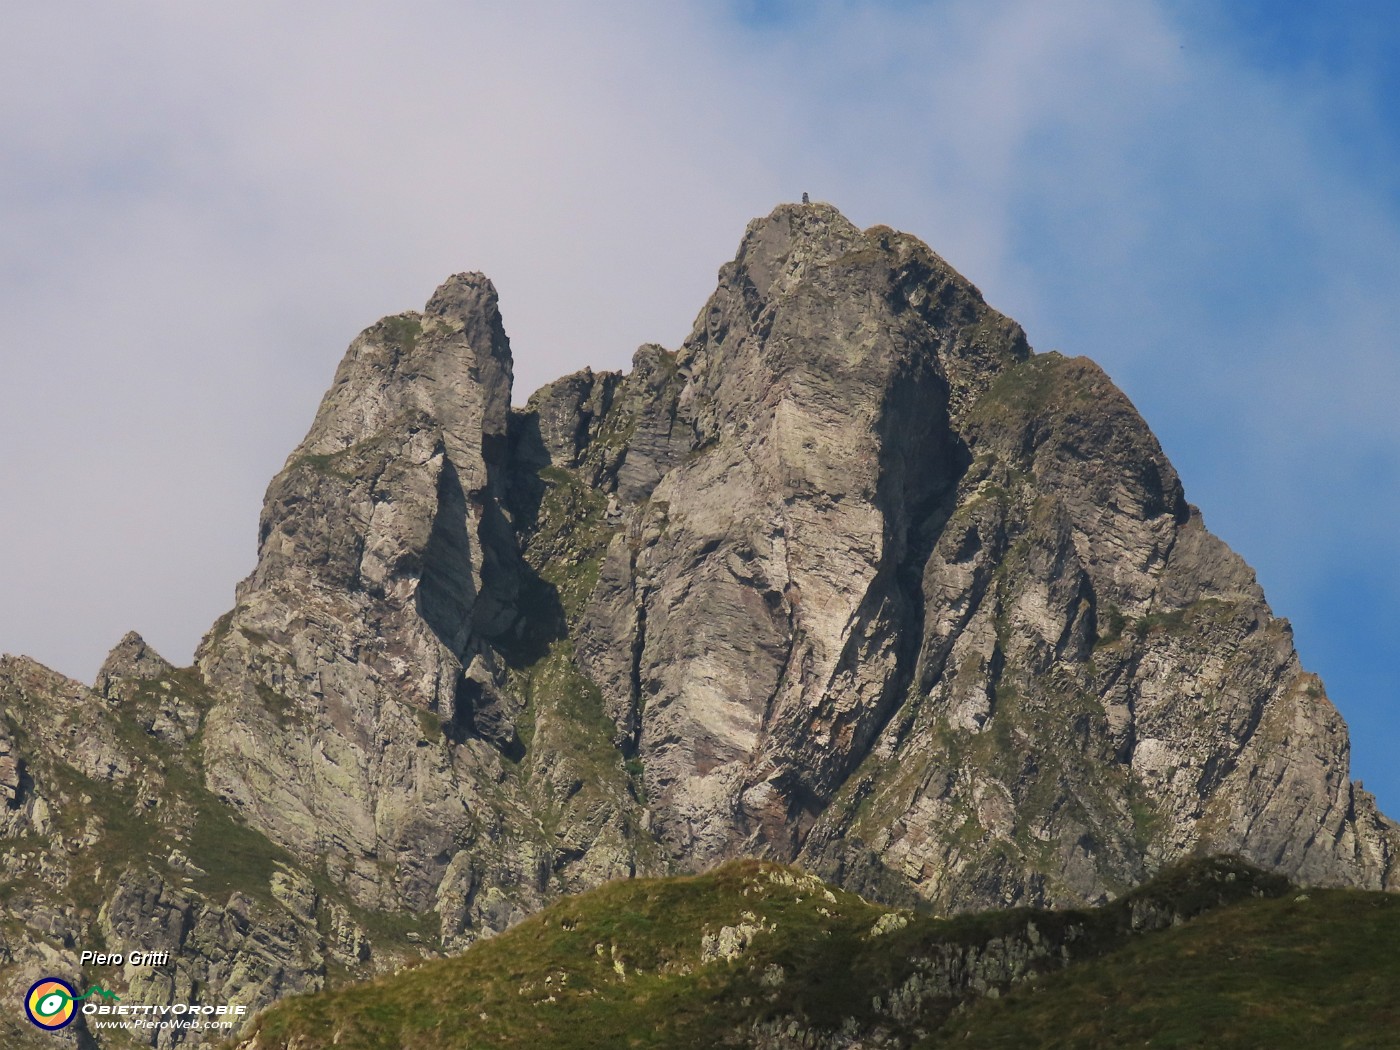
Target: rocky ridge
x=756, y=955
x=852, y=579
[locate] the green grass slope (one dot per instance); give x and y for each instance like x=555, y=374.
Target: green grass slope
x=1319, y=968
x=755, y=954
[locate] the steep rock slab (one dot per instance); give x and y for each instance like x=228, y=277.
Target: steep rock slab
x=1102, y=687
x=897, y=599
x=770, y=592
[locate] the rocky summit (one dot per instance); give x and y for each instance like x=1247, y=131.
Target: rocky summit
x=852, y=580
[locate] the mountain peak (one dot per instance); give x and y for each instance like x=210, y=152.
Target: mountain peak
x=448, y=367
x=777, y=250
x=470, y=300
x=850, y=579
x=131, y=658
x=851, y=528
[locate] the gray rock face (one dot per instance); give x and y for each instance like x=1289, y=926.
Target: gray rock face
x=852, y=579
x=932, y=615
x=766, y=581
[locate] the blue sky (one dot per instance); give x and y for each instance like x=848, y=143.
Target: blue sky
x=202, y=206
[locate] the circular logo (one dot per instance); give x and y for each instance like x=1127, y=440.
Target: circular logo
x=49, y=1003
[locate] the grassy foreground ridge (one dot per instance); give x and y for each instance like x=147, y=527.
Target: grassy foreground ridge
x=1210, y=953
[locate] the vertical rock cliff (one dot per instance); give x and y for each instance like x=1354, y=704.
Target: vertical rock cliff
x=932, y=615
